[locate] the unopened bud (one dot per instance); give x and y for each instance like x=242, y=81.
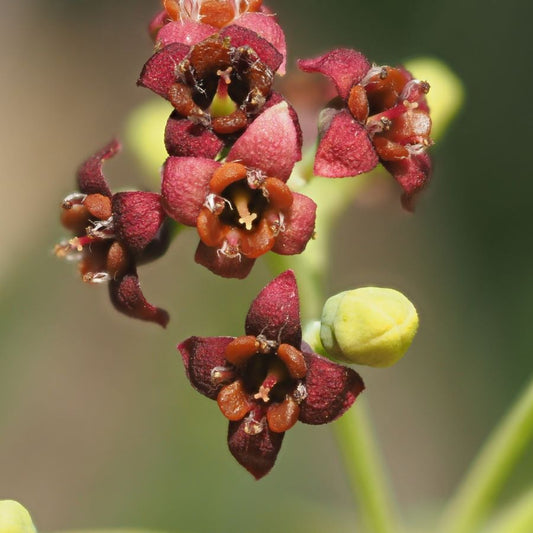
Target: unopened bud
x=368, y=326
x=14, y=518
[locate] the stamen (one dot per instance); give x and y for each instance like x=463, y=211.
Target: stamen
x=64, y=250
x=222, y=374
x=216, y=203
x=253, y=425
x=73, y=199
x=229, y=250
x=96, y=277
x=300, y=393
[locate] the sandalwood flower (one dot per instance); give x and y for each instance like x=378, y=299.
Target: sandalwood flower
x=113, y=233
x=267, y=380
x=381, y=115
x=243, y=208
x=217, y=87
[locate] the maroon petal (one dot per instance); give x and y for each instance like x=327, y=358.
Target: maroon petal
x=257, y=453
x=345, y=149
x=159, y=72
x=412, y=173
x=183, y=138
x=299, y=226
x=90, y=177
x=241, y=36
x=127, y=297
x=185, y=186
x=228, y=267
x=345, y=67
x=137, y=218
x=275, y=312
x=267, y=27
x=331, y=390
x=200, y=356
x=185, y=32
x=271, y=143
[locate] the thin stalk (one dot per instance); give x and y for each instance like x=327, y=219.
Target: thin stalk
x=489, y=471
x=518, y=518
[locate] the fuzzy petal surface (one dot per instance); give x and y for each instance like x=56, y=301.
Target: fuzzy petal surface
x=412, y=173
x=91, y=179
x=137, y=217
x=299, y=226
x=271, y=143
x=157, y=22
x=218, y=263
x=331, y=390
x=268, y=28
x=183, y=138
x=158, y=73
x=275, y=312
x=257, y=453
x=200, y=355
x=127, y=297
x=241, y=36
x=344, y=66
x=185, y=186
x=345, y=149
x=186, y=32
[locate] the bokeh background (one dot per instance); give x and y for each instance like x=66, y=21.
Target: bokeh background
x=98, y=425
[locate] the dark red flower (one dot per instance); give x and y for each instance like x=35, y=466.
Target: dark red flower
x=381, y=115
x=113, y=233
x=243, y=208
x=217, y=87
x=267, y=380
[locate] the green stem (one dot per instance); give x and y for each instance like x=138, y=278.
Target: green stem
x=487, y=474
x=518, y=518
x=356, y=440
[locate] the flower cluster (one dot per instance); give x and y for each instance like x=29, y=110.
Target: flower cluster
x=232, y=143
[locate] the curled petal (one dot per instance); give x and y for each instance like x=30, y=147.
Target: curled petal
x=228, y=267
x=185, y=32
x=244, y=37
x=127, y=297
x=257, y=453
x=185, y=186
x=201, y=355
x=275, y=312
x=299, y=226
x=184, y=138
x=412, y=173
x=137, y=218
x=331, y=390
x=90, y=178
x=266, y=27
x=159, y=72
x=272, y=143
x=345, y=149
x=344, y=66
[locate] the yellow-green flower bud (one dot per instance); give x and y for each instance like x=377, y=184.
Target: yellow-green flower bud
x=14, y=518
x=368, y=326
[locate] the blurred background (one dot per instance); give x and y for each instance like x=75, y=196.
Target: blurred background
x=98, y=424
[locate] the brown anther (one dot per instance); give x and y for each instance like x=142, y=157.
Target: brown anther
x=225, y=175
x=99, y=206
x=278, y=193
x=234, y=402
x=358, y=103
x=117, y=261
x=239, y=350
x=222, y=374
x=293, y=359
x=282, y=416
x=75, y=218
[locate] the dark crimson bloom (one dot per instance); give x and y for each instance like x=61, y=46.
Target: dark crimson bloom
x=381, y=115
x=243, y=208
x=267, y=380
x=112, y=234
x=217, y=87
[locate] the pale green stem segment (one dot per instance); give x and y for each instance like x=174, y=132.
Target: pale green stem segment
x=356, y=440
x=482, y=483
x=354, y=432
x=517, y=518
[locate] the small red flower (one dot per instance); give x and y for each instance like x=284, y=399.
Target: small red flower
x=243, y=208
x=235, y=66
x=112, y=234
x=381, y=115
x=267, y=380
